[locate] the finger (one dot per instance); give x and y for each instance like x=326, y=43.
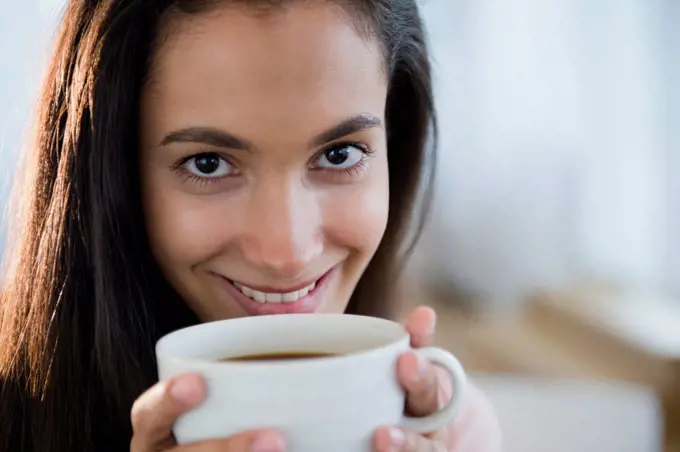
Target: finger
x=419, y=379
x=252, y=441
x=393, y=439
x=421, y=325
x=155, y=411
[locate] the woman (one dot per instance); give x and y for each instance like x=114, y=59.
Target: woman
x=199, y=160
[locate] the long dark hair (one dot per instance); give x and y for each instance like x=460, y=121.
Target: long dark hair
x=84, y=301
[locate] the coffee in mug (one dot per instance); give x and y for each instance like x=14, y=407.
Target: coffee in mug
x=282, y=356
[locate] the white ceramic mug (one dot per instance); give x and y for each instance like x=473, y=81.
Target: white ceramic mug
x=330, y=404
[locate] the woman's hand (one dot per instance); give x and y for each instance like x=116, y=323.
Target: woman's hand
x=155, y=411
x=427, y=389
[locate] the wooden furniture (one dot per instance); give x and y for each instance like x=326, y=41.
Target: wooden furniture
x=577, y=334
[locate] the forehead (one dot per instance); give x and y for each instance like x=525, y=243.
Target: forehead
x=236, y=69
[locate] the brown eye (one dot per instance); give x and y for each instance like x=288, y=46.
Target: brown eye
x=340, y=157
x=209, y=165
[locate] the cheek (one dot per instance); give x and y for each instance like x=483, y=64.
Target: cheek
x=357, y=217
x=182, y=228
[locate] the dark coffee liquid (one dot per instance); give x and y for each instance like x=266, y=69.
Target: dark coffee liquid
x=282, y=356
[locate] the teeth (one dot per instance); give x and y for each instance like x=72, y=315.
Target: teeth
x=273, y=298
x=258, y=296
x=264, y=297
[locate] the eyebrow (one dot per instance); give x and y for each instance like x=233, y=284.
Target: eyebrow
x=348, y=127
x=206, y=135
x=224, y=139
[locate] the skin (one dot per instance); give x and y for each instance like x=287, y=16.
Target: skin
x=277, y=215
x=280, y=219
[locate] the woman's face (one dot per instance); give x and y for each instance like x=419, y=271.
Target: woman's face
x=264, y=160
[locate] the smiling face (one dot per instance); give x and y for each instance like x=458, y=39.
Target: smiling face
x=264, y=160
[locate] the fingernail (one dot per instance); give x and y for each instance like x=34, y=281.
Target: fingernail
x=186, y=390
x=268, y=442
x=397, y=439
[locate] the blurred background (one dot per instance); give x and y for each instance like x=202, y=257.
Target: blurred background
x=553, y=251
x=559, y=145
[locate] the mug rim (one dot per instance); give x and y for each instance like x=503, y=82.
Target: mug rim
x=162, y=352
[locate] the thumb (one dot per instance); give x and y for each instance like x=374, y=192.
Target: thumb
x=154, y=412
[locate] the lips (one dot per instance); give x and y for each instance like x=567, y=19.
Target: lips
x=267, y=301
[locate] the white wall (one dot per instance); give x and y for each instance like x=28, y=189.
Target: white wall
x=672, y=41
x=556, y=162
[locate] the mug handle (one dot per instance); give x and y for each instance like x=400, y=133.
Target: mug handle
x=448, y=413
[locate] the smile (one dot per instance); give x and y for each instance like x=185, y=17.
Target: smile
x=275, y=297
x=306, y=297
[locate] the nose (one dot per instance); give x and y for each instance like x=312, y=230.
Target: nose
x=282, y=232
